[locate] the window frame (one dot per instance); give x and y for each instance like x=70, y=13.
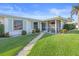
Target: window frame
x=17, y=25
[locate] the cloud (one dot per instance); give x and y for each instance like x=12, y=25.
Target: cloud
x=8, y=9
x=17, y=10
x=57, y=12
x=38, y=12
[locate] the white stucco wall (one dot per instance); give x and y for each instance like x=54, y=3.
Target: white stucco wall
x=2, y=20
x=6, y=25
x=24, y=25
x=29, y=26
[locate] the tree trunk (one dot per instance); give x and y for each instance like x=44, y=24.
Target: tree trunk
x=78, y=20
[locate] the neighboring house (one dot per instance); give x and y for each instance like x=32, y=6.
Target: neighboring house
x=69, y=21
x=14, y=24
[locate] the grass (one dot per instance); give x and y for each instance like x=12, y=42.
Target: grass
x=57, y=45
x=75, y=31
x=11, y=46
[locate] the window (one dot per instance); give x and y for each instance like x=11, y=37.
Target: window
x=18, y=24
x=35, y=25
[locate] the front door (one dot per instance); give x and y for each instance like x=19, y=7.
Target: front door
x=43, y=26
x=35, y=25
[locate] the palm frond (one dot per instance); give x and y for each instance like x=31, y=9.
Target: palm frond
x=75, y=10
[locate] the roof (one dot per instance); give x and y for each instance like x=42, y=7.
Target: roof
x=54, y=18
x=5, y=15
x=68, y=20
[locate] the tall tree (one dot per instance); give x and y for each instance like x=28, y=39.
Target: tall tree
x=75, y=10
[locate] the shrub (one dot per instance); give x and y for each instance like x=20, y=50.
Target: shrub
x=63, y=31
x=69, y=26
x=2, y=34
x=37, y=30
x=1, y=28
x=6, y=34
x=33, y=31
x=23, y=32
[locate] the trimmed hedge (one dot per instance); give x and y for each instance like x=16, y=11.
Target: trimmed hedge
x=35, y=31
x=24, y=32
x=2, y=34
x=63, y=31
x=1, y=28
x=69, y=26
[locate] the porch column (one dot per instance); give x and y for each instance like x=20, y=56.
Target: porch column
x=46, y=26
x=55, y=26
x=40, y=26
x=61, y=25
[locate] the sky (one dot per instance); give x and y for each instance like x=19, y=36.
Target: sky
x=37, y=10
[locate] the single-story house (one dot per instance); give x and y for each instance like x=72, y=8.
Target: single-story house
x=15, y=24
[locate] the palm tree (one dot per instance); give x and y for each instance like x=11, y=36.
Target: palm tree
x=75, y=10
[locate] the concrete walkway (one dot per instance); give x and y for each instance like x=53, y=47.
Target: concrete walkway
x=29, y=46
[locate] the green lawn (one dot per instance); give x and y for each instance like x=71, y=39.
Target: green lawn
x=75, y=31
x=11, y=46
x=57, y=45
